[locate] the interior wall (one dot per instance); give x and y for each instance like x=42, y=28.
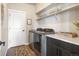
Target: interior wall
x=57, y=22
x=61, y=22
x=30, y=12
x=74, y=16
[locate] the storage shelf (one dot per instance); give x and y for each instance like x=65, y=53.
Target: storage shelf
x=45, y=8
x=59, y=11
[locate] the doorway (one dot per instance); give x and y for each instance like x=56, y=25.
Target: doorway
x=16, y=28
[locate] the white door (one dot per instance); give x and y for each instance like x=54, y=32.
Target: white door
x=16, y=28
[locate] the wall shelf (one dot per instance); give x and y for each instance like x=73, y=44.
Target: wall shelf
x=45, y=8
x=59, y=10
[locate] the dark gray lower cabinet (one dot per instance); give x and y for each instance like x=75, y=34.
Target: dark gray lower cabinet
x=54, y=48
x=64, y=52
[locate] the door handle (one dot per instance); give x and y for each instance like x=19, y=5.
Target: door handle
x=2, y=43
x=23, y=30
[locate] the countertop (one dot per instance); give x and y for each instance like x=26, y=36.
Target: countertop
x=40, y=32
x=65, y=38
x=61, y=37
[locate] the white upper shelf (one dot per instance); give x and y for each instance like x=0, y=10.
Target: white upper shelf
x=41, y=6
x=56, y=8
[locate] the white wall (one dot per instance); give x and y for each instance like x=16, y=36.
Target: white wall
x=30, y=11
x=58, y=22
x=62, y=21
x=74, y=15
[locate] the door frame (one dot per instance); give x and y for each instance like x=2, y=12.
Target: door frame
x=4, y=29
x=25, y=18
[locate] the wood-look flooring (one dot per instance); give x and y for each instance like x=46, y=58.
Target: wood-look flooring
x=23, y=50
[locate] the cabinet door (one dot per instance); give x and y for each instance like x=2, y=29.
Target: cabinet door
x=65, y=52
x=60, y=48
x=52, y=49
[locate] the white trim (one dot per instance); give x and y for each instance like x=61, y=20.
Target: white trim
x=17, y=10
x=26, y=43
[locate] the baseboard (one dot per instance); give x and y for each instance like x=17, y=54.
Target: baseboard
x=26, y=44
